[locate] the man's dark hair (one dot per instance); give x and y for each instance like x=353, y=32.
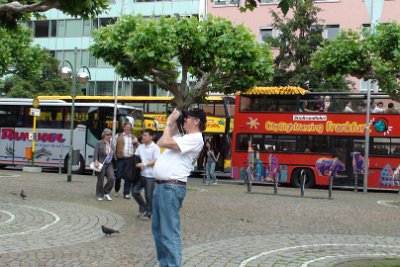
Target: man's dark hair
x=380, y=103
x=126, y=123
x=198, y=113
x=390, y=105
x=149, y=131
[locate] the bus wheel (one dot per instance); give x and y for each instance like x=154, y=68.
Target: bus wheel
x=295, y=180
x=76, y=169
x=2, y=166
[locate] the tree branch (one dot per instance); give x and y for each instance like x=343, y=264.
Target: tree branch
x=17, y=7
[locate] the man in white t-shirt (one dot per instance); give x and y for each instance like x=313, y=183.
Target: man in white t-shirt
x=171, y=171
x=148, y=152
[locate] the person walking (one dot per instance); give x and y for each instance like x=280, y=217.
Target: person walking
x=171, y=171
x=126, y=144
x=148, y=152
x=211, y=162
x=104, y=153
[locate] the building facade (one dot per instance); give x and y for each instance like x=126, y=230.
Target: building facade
x=60, y=34
x=335, y=14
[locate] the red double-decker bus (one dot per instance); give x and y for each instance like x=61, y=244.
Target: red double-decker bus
x=319, y=134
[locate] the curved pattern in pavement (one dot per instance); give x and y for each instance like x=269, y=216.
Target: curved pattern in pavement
x=291, y=250
x=44, y=224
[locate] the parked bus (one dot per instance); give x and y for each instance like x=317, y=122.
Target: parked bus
x=53, y=130
x=219, y=111
x=319, y=134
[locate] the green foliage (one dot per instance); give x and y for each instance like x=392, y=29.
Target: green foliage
x=284, y=5
x=44, y=80
x=215, y=54
x=18, y=11
x=300, y=36
x=16, y=51
x=373, y=56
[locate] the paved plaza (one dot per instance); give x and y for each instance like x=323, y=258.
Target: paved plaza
x=58, y=224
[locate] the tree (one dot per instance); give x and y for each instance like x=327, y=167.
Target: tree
x=44, y=80
x=16, y=53
x=12, y=12
x=215, y=54
x=374, y=56
x=300, y=36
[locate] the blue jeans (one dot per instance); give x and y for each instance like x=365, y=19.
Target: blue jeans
x=167, y=201
x=210, y=171
x=121, y=163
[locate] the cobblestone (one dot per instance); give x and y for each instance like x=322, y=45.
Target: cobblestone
x=59, y=225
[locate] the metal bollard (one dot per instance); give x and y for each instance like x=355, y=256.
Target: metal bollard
x=330, y=186
x=303, y=181
x=276, y=185
x=249, y=180
x=355, y=182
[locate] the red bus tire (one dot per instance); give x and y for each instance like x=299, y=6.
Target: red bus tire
x=295, y=179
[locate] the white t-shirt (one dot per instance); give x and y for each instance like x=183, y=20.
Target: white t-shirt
x=146, y=154
x=174, y=164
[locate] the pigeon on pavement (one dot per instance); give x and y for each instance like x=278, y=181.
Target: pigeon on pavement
x=22, y=195
x=108, y=231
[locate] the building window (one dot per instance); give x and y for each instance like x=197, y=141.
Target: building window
x=265, y=34
x=41, y=28
x=270, y=1
x=73, y=28
x=331, y=31
x=140, y=89
x=106, y=21
x=53, y=28
x=220, y=3
x=366, y=85
x=60, y=28
x=87, y=28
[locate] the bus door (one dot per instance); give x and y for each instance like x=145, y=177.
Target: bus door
x=342, y=148
x=218, y=143
x=93, y=133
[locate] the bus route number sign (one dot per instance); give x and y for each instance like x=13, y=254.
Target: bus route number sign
x=35, y=103
x=34, y=112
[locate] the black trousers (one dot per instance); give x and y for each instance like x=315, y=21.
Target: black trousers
x=148, y=185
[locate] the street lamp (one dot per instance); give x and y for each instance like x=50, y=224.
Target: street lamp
x=82, y=76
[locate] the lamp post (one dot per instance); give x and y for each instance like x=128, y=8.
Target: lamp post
x=82, y=77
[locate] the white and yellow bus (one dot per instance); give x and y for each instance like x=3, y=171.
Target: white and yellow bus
x=53, y=130
x=219, y=110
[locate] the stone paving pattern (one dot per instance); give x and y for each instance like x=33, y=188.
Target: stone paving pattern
x=222, y=225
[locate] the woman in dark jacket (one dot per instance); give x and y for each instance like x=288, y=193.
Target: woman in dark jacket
x=211, y=161
x=104, y=152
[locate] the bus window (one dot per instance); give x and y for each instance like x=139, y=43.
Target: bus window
x=93, y=127
x=51, y=117
x=258, y=142
x=380, y=146
x=319, y=143
x=395, y=146
x=286, y=143
x=302, y=144
x=11, y=116
x=359, y=146
x=158, y=108
x=242, y=142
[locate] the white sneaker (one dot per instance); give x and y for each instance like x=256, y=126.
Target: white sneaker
x=99, y=198
x=116, y=194
x=107, y=197
x=127, y=196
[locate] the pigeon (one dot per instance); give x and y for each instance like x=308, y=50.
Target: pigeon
x=108, y=231
x=22, y=194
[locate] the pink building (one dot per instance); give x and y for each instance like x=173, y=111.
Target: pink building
x=335, y=14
